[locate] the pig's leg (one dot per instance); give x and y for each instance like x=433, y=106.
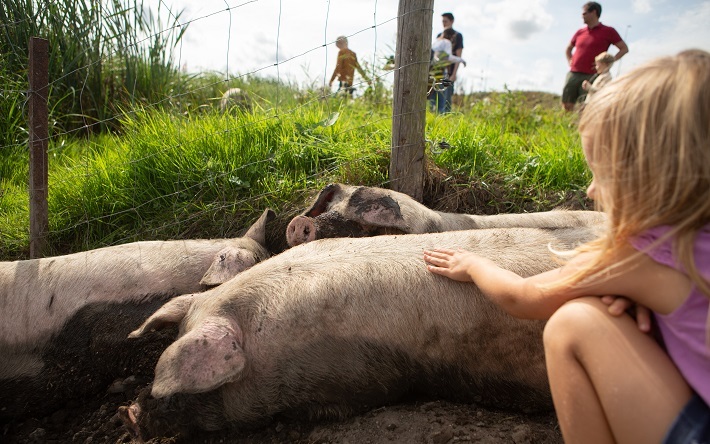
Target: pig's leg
x=129, y=417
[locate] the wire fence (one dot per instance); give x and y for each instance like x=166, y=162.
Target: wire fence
x=279, y=107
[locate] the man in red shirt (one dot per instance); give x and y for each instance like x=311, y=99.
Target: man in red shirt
x=588, y=42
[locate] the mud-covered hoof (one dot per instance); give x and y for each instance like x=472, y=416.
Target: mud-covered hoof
x=129, y=418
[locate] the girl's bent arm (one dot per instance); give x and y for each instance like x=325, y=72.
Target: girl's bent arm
x=520, y=297
x=637, y=277
x=525, y=298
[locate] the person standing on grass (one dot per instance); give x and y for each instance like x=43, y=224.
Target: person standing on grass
x=602, y=63
x=588, y=42
x=646, y=139
x=440, y=101
x=345, y=67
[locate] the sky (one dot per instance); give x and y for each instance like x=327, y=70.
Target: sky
x=514, y=44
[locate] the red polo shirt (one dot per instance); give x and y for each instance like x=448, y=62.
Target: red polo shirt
x=589, y=43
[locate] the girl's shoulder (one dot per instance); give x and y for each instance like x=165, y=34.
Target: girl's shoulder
x=658, y=245
x=652, y=242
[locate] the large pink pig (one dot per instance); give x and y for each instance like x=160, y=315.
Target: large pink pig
x=357, y=211
x=61, y=313
x=336, y=326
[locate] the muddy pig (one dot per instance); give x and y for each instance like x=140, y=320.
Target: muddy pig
x=336, y=326
x=59, y=315
x=357, y=211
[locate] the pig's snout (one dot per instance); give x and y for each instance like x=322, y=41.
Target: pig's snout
x=300, y=230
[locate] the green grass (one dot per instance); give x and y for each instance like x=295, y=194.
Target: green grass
x=102, y=55
x=138, y=149
x=205, y=174
x=532, y=150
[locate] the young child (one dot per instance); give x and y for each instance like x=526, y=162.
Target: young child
x=602, y=63
x=345, y=67
x=442, y=49
x=646, y=138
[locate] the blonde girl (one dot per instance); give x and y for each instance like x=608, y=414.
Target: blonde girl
x=602, y=63
x=647, y=142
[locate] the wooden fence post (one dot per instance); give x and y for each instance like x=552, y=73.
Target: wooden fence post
x=409, y=103
x=39, y=137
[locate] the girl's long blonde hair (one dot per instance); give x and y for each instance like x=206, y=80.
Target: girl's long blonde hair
x=649, y=139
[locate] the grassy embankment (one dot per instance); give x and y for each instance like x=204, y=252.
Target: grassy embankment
x=209, y=175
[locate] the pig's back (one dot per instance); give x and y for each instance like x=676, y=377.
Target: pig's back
x=370, y=304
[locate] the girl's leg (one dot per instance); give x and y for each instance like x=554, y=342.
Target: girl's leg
x=610, y=382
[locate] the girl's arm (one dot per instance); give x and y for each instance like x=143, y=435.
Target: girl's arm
x=638, y=278
x=599, y=83
x=454, y=59
x=520, y=297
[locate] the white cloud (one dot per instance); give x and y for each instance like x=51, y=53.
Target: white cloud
x=642, y=6
x=519, y=19
x=693, y=24
x=523, y=29
x=674, y=33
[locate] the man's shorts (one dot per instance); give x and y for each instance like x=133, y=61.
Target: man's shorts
x=692, y=424
x=573, y=91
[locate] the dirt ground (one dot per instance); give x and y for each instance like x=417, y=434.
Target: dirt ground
x=427, y=422
x=94, y=419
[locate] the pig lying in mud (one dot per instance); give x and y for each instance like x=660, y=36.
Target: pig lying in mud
x=65, y=312
x=337, y=326
x=356, y=211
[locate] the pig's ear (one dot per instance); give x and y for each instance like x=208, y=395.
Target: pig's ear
x=326, y=196
x=230, y=261
x=171, y=312
x=375, y=207
x=258, y=229
x=202, y=360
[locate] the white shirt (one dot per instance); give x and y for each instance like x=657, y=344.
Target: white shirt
x=443, y=51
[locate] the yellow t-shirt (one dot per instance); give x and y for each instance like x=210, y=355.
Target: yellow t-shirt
x=345, y=66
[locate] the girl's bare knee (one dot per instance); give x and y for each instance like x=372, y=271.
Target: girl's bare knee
x=576, y=320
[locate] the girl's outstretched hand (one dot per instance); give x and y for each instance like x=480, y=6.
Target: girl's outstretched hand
x=454, y=264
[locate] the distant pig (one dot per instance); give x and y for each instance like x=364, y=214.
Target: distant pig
x=356, y=211
x=60, y=315
x=337, y=326
x=235, y=98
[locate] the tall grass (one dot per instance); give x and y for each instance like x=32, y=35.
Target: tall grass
x=102, y=55
x=532, y=149
x=12, y=89
x=206, y=174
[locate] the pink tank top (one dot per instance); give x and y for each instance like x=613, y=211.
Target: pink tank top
x=684, y=330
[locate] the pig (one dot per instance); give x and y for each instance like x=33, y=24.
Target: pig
x=235, y=98
x=336, y=326
x=58, y=313
x=357, y=211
